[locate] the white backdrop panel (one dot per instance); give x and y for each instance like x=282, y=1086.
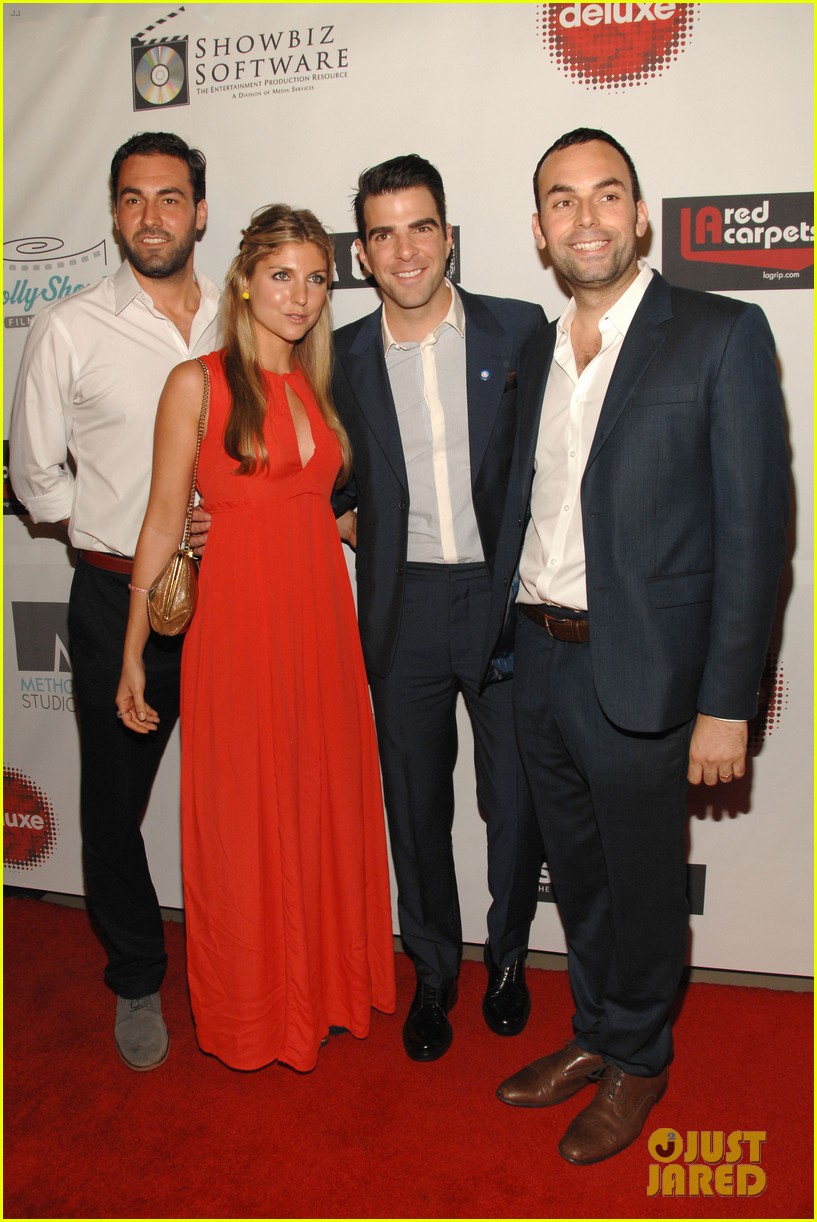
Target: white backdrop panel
x=472, y=88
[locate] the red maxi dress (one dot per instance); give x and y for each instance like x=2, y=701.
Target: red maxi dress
x=286, y=884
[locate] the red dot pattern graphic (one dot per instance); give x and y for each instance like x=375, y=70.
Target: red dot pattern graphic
x=620, y=51
x=30, y=825
x=773, y=703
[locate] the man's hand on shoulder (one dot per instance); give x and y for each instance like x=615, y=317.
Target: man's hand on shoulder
x=717, y=751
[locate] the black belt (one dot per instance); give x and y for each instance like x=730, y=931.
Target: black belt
x=576, y=631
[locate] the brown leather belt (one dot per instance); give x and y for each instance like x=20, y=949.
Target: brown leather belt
x=109, y=562
x=576, y=631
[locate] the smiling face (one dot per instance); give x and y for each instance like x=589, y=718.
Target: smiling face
x=406, y=251
x=155, y=214
x=588, y=220
x=288, y=290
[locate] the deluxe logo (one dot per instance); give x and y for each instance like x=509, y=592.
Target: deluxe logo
x=615, y=46
x=350, y=275
x=739, y=241
x=41, y=638
x=706, y=1163
x=38, y=270
x=29, y=823
x=772, y=704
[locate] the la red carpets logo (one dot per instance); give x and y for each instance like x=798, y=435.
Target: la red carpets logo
x=615, y=46
x=29, y=822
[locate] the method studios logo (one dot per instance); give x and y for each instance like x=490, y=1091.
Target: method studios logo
x=29, y=823
x=41, y=638
x=159, y=68
x=615, y=46
x=739, y=241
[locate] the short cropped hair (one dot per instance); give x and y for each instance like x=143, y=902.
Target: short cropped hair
x=399, y=174
x=167, y=144
x=583, y=135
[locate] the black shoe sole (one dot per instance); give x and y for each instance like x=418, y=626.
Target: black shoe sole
x=430, y=1054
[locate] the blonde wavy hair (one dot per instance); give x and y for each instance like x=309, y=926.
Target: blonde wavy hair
x=270, y=228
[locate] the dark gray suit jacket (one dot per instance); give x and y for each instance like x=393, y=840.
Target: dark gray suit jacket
x=684, y=509
x=495, y=331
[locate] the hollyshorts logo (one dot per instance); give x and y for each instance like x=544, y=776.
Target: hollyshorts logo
x=740, y=241
x=37, y=271
x=706, y=1163
x=159, y=68
x=41, y=638
x=30, y=825
x=696, y=888
x=615, y=46
x=350, y=275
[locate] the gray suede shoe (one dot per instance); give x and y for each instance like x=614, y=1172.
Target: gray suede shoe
x=140, y=1032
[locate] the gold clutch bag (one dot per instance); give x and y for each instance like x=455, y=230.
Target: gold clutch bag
x=172, y=597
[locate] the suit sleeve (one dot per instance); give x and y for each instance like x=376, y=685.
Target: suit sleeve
x=750, y=512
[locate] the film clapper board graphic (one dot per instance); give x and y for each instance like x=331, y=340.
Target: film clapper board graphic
x=159, y=68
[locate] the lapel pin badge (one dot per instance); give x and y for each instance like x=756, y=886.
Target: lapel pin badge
x=485, y=374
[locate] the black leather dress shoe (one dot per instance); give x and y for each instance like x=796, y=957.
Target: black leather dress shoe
x=506, y=1004
x=427, y=1032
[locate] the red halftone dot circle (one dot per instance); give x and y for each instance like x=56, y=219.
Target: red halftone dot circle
x=30, y=824
x=614, y=54
x=772, y=706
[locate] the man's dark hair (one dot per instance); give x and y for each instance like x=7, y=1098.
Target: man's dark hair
x=583, y=135
x=399, y=174
x=166, y=144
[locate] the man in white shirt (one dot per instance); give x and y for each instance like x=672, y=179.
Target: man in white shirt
x=652, y=456
x=93, y=370
x=426, y=388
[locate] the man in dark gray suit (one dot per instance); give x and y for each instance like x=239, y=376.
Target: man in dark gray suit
x=651, y=456
x=426, y=388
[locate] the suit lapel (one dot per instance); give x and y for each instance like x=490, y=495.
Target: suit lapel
x=488, y=353
x=533, y=376
x=365, y=369
x=642, y=341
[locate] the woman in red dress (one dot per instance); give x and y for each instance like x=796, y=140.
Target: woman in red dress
x=283, y=840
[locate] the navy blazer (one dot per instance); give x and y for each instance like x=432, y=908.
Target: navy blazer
x=684, y=509
x=496, y=330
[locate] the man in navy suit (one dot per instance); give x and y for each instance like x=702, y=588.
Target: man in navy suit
x=647, y=512
x=426, y=388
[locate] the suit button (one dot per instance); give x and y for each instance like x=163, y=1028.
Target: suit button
x=399, y=570
x=402, y=505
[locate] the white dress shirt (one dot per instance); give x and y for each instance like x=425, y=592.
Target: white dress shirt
x=92, y=372
x=552, y=568
x=429, y=388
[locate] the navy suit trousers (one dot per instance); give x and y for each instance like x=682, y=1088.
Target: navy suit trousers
x=612, y=809
x=437, y=659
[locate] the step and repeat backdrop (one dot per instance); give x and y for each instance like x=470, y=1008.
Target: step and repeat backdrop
x=289, y=102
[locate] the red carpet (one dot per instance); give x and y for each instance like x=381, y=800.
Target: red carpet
x=369, y=1134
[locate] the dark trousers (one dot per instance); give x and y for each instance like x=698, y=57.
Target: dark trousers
x=612, y=809
x=437, y=658
x=117, y=771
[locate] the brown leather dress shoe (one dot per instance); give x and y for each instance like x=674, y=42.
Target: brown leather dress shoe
x=551, y=1079
x=614, y=1117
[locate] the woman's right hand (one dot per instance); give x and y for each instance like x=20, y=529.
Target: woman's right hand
x=132, y=708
